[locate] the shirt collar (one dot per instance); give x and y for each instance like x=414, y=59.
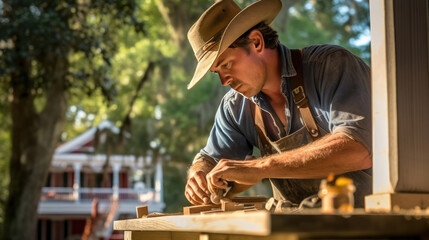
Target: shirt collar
x=287, y=70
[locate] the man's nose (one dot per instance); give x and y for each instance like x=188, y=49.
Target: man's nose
x=225, y=79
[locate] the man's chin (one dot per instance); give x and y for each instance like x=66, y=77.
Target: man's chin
x=247, y=94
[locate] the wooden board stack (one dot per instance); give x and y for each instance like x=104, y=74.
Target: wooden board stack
x=239, y=203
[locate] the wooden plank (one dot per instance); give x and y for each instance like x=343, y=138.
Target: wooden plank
x=142, y=211
x=388, y=202
x=279, y=236
x=136, y=235
x=306, y=224
x=227, y=205
x=355, y=225
x=249, y=199
x=199, y=208
x=231, y=206
x=411, y=42
x=215, y=210
x=157, y=214
x=248, y=223
x=400, y=93
x=383, y=86
x=185, y=236
x=259, y=206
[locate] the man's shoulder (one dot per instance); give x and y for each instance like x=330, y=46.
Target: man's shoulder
x=234, y=103
x=323, y=51
x=233, y=97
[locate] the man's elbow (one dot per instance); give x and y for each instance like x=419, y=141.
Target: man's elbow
x=366, y=162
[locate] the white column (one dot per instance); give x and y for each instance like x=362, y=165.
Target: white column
x=159, y=195
x=116, y=168
x=148, y=159
x=76, y=182
x=400, y=93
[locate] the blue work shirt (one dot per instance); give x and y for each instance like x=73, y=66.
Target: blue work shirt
x=337, y=85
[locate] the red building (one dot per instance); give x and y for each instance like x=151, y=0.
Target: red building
x=78, y=176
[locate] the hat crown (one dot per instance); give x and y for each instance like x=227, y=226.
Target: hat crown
x=221, y=25
x=213, y=21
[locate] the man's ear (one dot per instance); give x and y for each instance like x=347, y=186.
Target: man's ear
x=257, y=40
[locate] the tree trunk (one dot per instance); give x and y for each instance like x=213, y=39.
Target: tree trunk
x=34, y=138
x=282, y=19
x=179, y=18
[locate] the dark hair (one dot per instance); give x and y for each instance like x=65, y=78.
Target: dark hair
x=271, y=38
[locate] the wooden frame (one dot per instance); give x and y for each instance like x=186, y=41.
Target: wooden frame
x=400, y=94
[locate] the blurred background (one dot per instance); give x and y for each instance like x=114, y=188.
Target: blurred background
x=94, y=105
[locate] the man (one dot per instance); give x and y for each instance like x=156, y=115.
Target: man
x=307, y=111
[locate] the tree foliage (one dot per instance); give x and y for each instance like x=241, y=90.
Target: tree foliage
x=49, y=51
x=33, y=31
x=340, y=22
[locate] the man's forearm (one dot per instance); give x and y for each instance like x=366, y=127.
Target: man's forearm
x=201, y=163
x=334, y=153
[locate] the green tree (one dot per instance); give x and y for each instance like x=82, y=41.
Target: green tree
x=48, y=52
x=4, y=152
x=341, y=22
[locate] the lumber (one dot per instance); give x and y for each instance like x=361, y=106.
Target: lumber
x=388, y=202
x=214, y=210
x=249, y=199
x=249, y=223
x=199, y=208
x=258, y=206
x=157, y=214
x=142, y=211
x=236, y=203
x=228, y=205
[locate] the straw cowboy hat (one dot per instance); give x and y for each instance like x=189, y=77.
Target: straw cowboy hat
x=221, y=25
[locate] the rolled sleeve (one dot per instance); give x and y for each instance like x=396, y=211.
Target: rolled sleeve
x=203, y=158
x=226, y=140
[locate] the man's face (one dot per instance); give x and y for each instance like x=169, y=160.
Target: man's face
x=243, y=70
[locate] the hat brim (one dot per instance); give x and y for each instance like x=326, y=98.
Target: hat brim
x=261, y=11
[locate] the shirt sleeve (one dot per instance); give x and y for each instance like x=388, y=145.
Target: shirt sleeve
x=225, y=139
x=345, y=92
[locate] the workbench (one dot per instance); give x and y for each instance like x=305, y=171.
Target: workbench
x=306, y=224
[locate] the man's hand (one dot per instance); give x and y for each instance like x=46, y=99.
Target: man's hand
x=246, y=173
x=196, y=190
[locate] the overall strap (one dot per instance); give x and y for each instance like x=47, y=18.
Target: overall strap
x=264, y=143
x=299, y=98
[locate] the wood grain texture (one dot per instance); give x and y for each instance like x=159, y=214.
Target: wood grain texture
x=304, y=224
x=412, y=75
x=356, y=225
x=388, y=202
x=247, y=223
x=247, y=237
x=129, y=235
x=249, y=199
x=199, y=208
x=400, y=94
x=142, y=211
x=383, y=86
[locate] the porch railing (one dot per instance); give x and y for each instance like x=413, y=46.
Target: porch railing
x=103, y=194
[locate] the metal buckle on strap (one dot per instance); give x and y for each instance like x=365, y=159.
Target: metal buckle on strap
x=298, y=95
